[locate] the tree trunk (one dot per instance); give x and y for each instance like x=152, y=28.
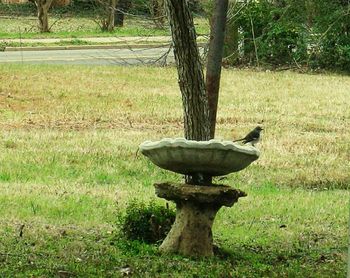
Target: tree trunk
x=216, y=45
x=191, y=78
x=190, y=72
x=110, y=14
x=122, y=7
x=43, y=7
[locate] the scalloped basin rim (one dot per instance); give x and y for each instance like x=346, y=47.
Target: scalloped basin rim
x=213, y=157
x=211, y=144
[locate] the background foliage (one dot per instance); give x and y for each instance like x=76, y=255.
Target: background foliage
x=289, y=32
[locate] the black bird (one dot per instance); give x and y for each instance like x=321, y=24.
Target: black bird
x=252, y=137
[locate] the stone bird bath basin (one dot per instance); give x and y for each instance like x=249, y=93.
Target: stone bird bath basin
x=214, y=157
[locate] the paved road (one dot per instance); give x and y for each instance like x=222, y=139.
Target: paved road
x=139, y=56
x=127, y=40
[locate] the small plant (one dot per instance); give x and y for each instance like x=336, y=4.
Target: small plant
x=3, y=46
x=149, y=223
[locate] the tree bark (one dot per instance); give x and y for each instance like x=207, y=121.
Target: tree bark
x=216, y=46
x=190, y=72
x=111, y=6
x=43, y=7
x=190, y=78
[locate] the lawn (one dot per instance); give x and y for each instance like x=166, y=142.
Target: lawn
x=20, y=21
x=68, y=166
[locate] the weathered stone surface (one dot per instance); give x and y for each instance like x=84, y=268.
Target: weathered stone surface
x=191, y=233
x=213, y=157
x=196, y=208
x=215, y=195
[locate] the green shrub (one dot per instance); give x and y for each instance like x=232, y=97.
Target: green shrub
x=282, y=44
x=270, y=35
x=333, y=45
x=293, y=32
x=149, y=223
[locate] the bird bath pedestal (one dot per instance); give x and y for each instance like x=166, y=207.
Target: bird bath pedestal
x=196, y=205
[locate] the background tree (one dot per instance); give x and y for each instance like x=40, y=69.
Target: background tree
x=43, y=7
x=110, y=11
x=105, y=10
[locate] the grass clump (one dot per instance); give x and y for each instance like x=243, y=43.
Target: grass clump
x=149, y=222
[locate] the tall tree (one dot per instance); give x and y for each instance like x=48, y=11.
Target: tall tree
x=199, y=104
x=216, y=46
x=191, y=78
x=190, y=72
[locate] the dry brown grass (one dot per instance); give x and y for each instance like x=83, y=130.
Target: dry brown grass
x=306, y=117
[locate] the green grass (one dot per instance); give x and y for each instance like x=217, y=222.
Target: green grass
x=25, y=27
x=68, y=164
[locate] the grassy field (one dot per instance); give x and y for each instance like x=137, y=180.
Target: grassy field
x=20, y=21
x=68, y=166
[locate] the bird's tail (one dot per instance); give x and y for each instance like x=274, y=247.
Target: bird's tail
x=238, y=140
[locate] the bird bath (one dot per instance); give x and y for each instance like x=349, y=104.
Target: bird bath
x=213, y=157
x=197, y=205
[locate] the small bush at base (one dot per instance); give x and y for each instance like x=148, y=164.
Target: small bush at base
x=149, y=223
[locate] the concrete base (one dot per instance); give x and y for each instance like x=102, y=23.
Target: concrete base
x=196, y=208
